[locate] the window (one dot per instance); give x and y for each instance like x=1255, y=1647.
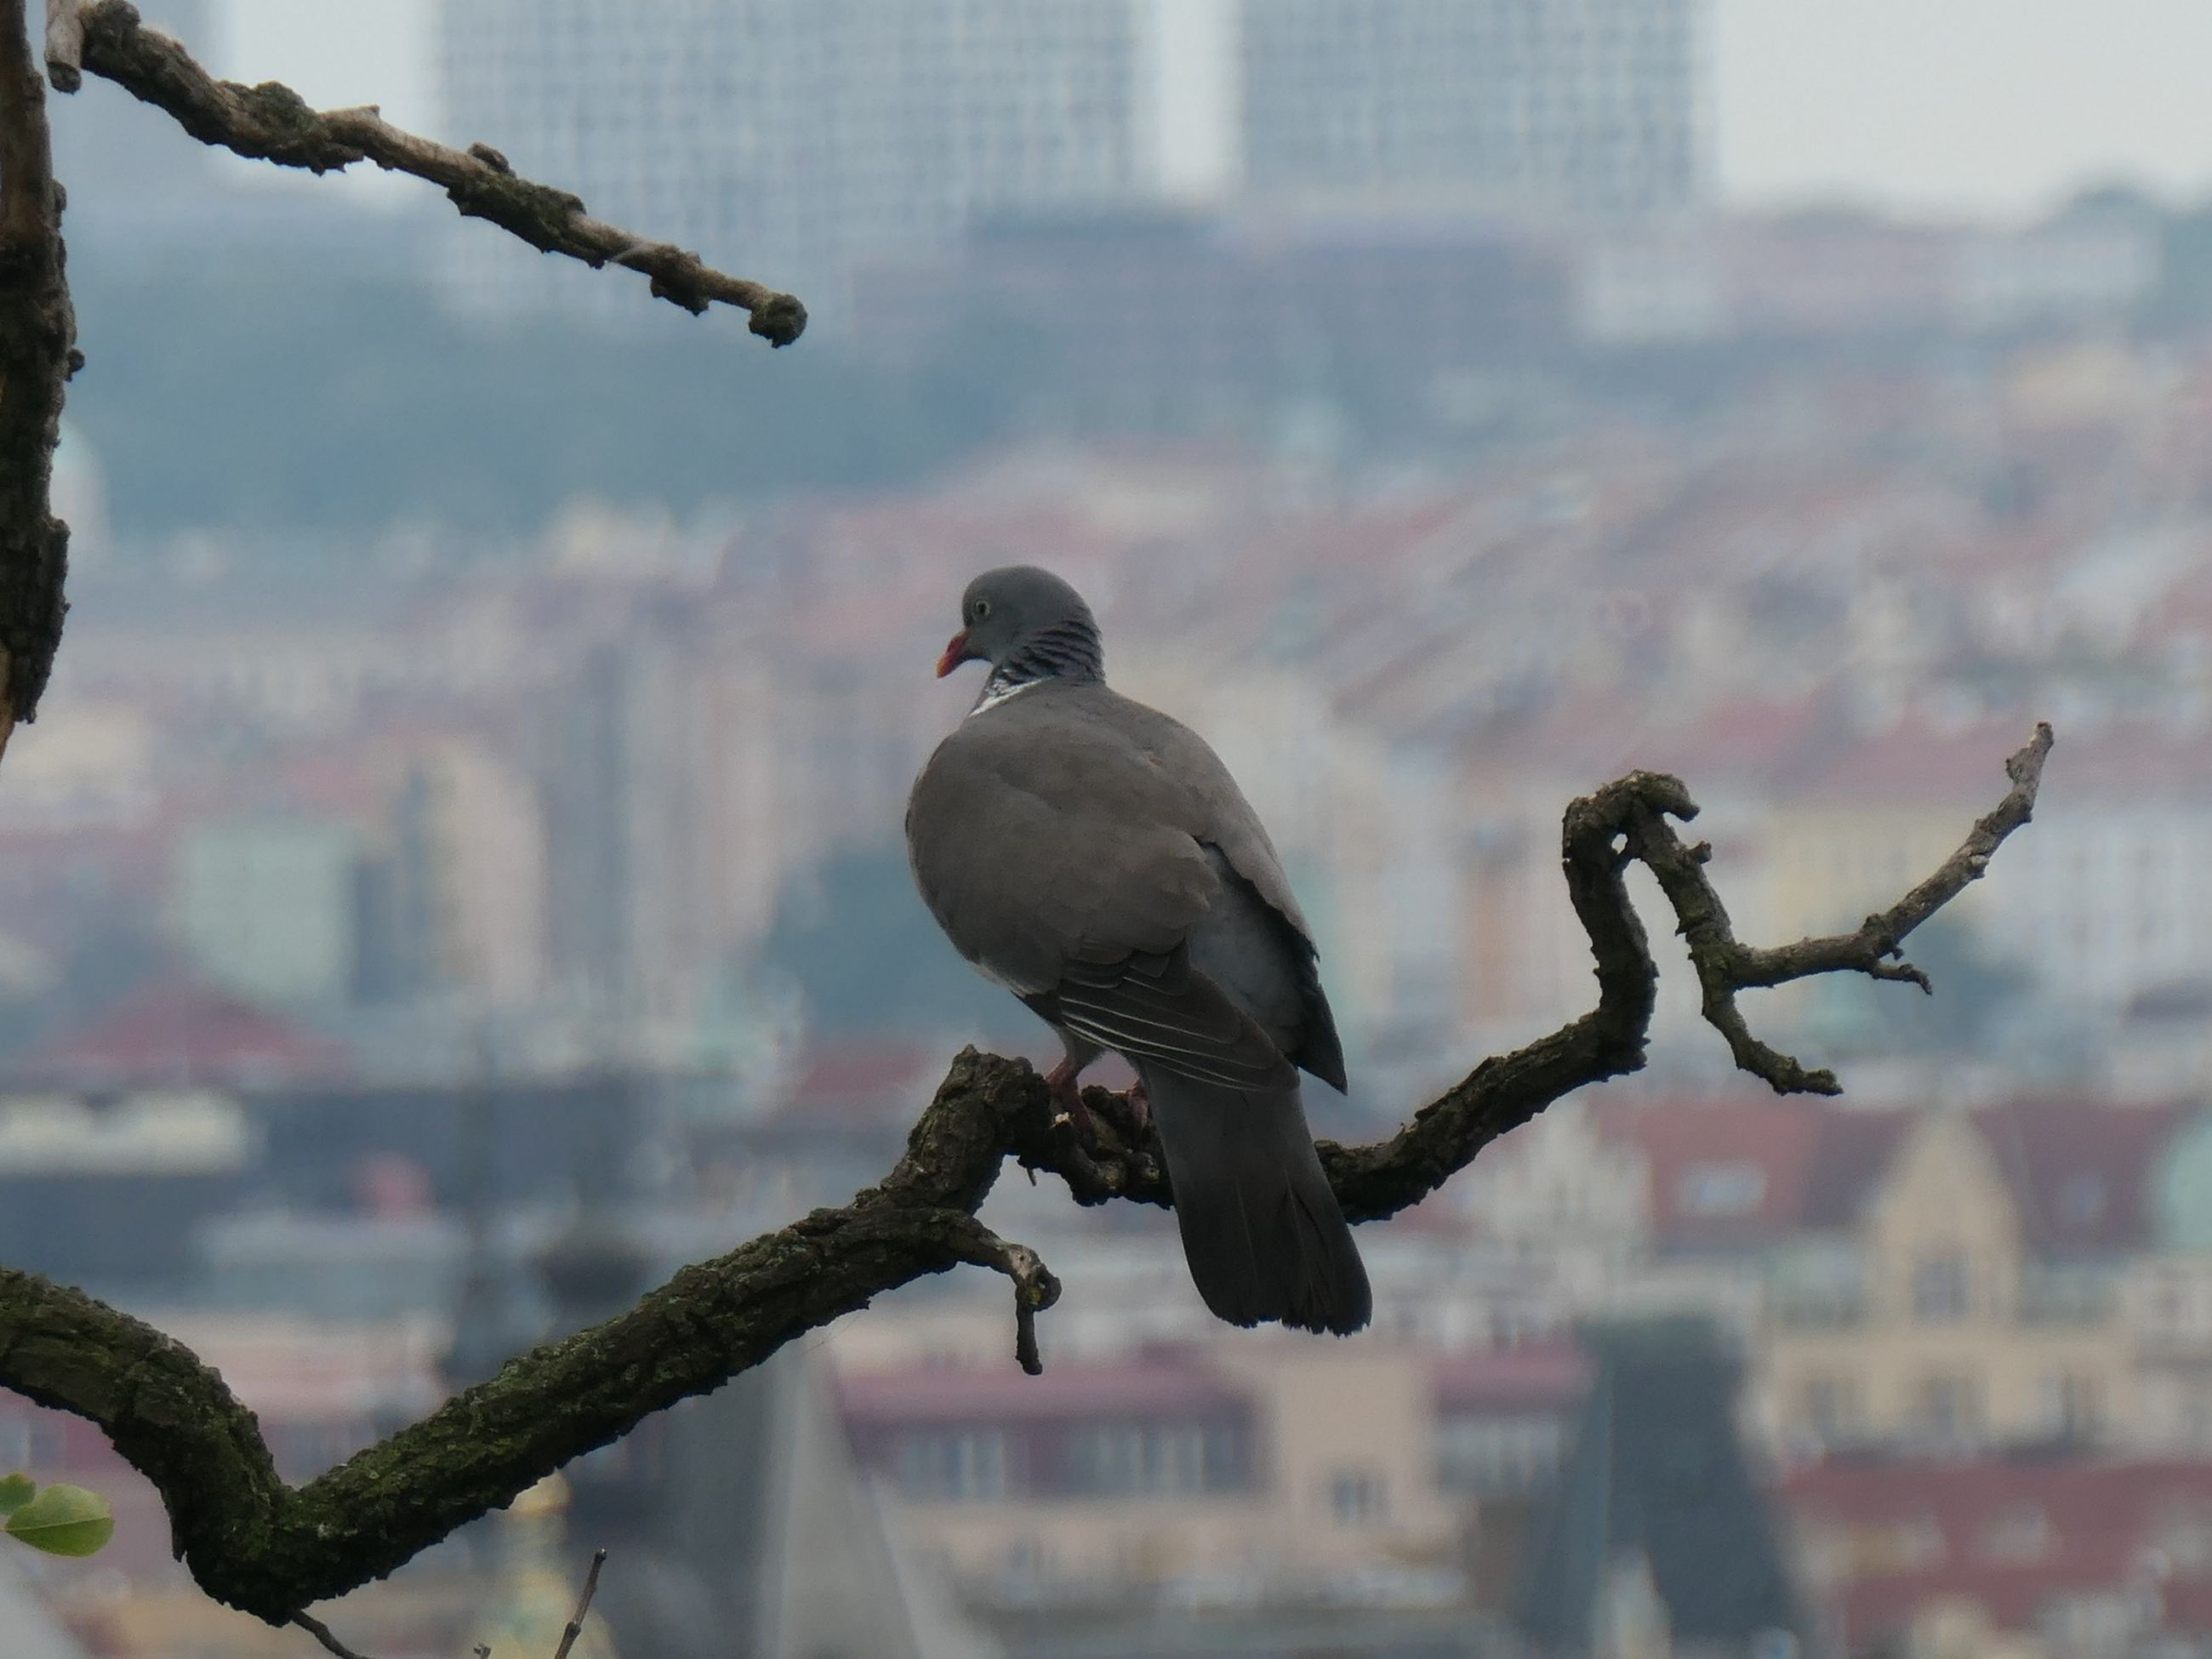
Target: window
x=1488, y=1456
x=1156, y=1458
x=2070, y=1405
x=2081, y=1198
x=2183, y=1530
x=1832, y=1405
x=1717, y=1189
x=1951, y=1406
x=2169, y=1304
x=963, y=1465
x=1913, y=1545
x=1942, y=1290
x=1358, y=1498
x=2021, y=1536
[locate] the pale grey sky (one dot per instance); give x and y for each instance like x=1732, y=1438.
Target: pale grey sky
x=1986, y=106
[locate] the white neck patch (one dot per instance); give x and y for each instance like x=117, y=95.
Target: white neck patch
x=996, y=691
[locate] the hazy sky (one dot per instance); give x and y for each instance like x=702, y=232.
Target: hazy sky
x=1992, y=106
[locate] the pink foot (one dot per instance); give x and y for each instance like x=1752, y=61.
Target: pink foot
x=1140, y=1103
x=1068, y=1095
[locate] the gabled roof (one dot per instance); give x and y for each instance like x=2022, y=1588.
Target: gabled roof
x=1741, y=1174
x=2081, y=1174
x=175, y=1030
x=886, y=1081
x=1912, y=763
x=1738, y=1174
x=2011, y=1534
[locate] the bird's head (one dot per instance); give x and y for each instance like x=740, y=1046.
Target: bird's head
x=1027, y=624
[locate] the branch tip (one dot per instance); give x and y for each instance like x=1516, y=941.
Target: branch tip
x=576, y=1626
x=321, y=1631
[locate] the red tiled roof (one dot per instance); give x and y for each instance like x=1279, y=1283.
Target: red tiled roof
x=1913, y=763
x=1592, y=740
x=2104, y=1524
x=851, y=1082
x=176, y=1031
x=2082, y=1172
x=1795, y=1165
x=1152, y=1386
x=1534, y=1377
x=2130, y=762
x=1852, y=1153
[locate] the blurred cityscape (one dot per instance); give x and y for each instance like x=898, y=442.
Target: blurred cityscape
x=456, y=877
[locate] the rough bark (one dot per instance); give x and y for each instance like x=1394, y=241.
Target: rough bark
x=274, y=1550
x=38, y=339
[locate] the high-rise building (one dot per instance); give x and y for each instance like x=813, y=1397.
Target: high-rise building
x=624, y=929
x=1516, y=106
x=794, y=141
x=787, y=139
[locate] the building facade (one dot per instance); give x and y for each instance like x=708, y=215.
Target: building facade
x=787, y=138
x=795, y=139
x=1270, y=1469
x=1556, y=108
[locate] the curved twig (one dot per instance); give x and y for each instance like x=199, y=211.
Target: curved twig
x=273, y=1550
x=1875, y=949
x=1036, y=1289
x=576, y=1626
x=323, y=1633
x=272, y=123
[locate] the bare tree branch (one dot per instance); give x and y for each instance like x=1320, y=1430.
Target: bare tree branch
x=1875, y=949
x=272, y=123
x=1035, y=1287
x=252, y=1541
x=37, y=337
x=321, y=1631
x=575, y=1627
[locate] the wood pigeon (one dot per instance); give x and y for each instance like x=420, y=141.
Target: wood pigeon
x=1096, y=857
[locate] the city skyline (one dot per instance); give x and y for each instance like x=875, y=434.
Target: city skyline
x=1924, y=110
x=456, y=878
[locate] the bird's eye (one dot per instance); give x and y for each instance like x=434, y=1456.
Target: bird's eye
x=983, y=609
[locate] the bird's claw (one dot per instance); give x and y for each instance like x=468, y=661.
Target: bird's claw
x=1067, y=1100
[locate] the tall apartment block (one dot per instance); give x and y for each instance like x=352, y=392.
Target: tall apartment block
x=790, y=139
x=1527, y=107
x=795, y=141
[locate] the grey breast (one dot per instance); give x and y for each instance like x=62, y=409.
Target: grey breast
x=1071, y=823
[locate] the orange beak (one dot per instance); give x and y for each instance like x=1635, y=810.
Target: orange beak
x=956, y=653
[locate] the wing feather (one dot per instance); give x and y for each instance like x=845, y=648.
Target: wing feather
x=1069, y=847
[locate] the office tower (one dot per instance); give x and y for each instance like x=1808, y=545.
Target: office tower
x=1523, y=108
x=788, y=140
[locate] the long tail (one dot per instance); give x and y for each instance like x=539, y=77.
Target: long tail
x=1261, y=1227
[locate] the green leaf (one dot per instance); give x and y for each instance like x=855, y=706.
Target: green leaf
x=15, y=1492
x=65, y=1521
